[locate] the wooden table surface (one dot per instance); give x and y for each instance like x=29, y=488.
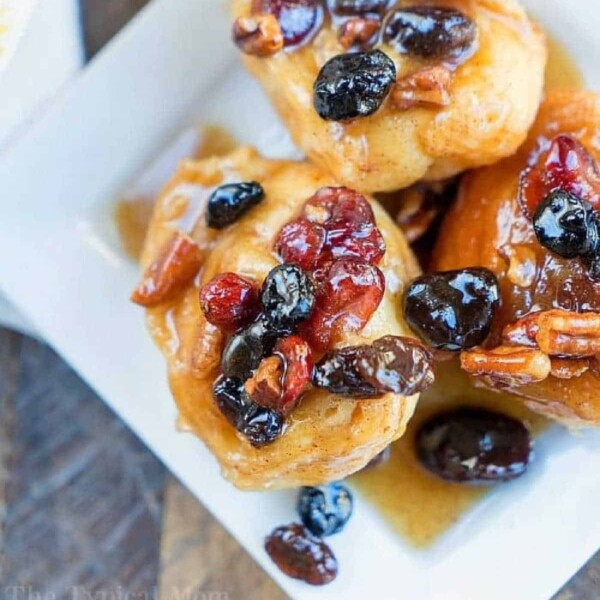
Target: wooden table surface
x=85, y=508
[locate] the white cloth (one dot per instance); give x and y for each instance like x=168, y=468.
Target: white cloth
x=48, y=54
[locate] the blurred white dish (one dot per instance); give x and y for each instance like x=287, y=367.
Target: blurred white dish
x=62, y=265
x=14, y=15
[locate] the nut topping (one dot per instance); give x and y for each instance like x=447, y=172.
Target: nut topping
x=258, y=35
x=508, y=365
x=429, y=87
x=358, y=31
x=568, y=368
x=265, y=387
x=175, y=267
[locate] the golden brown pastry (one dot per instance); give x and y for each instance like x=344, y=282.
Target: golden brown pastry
x=533, y=220
x=457, y=86
x=326, y=436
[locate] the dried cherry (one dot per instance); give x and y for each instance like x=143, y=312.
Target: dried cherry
x=299, y=19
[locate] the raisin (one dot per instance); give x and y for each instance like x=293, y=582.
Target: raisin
x=353, y=85
x=474, y=445
x=430, y=32
x=228, y=301
x=288, y=297
x=230, y=201
x=564, y=165
x=298, y=366
x=301, y=243
x=358, y=7
x=258, y=424
x=390, y=364
x=453, y=310
x=350, y=292
x=300, y=555
x=565, y=224
x=245, y=350
x=299, y=19
x=326, y=509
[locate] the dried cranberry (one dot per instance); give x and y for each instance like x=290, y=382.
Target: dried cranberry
x=299, y=19
x=347, y=297
x=338, y=204
x=230, y=201
x=258, y=424
x=229, y=301
x=472, y=444
x=288, y=297
x=300, y=555
x=326, y=509
x=564, y=165
x=301, y=243
x=353, y=85
x=453, y=310
x=391, y=364
x=298, y=366
x=430, y=32
x=358, y=7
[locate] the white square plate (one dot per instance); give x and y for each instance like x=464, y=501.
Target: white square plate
x=62, y=265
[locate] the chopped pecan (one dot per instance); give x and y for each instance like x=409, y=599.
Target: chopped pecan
x=522, y=332
x=509, y=365
x=206, y=352
x=417, y=211
x=428, y=87
x=176, y=266
x=568, y=368
x=265, y=386
x=258, y=35
x=569, y=334
x=358, y=31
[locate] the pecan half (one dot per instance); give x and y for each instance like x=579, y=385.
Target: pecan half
x=265, y=386
x=568, y=368
x=206, y=352
x=358, y=31
x=258, y=35
x=175, y=268
x=569, y=334
x=428, y=87
x=522, y=332
x=508, y=365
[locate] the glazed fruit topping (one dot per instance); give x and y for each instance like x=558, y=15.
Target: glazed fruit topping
x=229, y=301
x=301, y=555
x=299, y=19
x=430, y=32
x=567, y=225
x=358, y=7
x=349, y=294
x=246, y=349
x=230, y=201
x=301, y=243
x=391, y=364
x=173, y=270
x=453, y=310
x=258, y=424
x=288, y=297
x=475, y=445
x=297, y=371
x=564, y=164
x=353, y=85
x=326, y=509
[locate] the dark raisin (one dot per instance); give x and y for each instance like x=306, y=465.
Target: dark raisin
x=565, y=224
x=231, y=399
x=245, y=350
x=230, y=201
x=261, y=425
x=390, y=364
x=430, y=32
x=453, y=310
x=288, y=297
x=358, y=7
x=299, y=19
x=229, y=301
x=326, y=509
x=353, y=85
x=300, y=555
x=475, y=445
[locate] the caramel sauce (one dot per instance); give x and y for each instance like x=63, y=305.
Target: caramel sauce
x=132, y=217
x=561, y=72
x=417, y=504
